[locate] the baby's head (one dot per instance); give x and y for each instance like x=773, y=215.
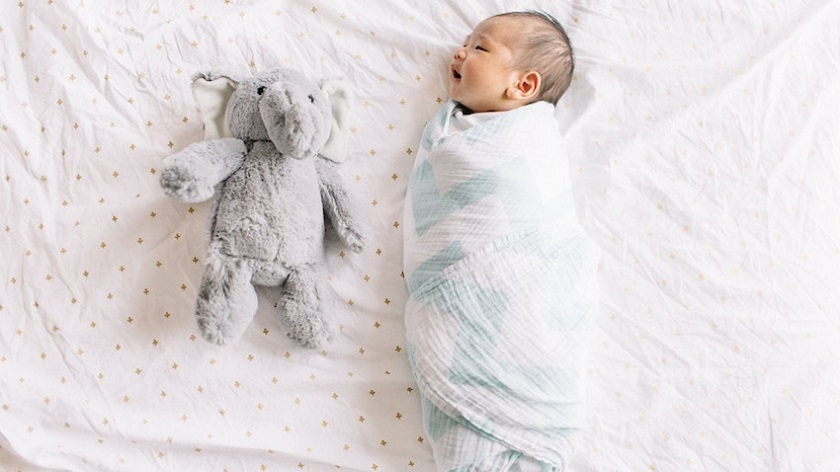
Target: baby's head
x=511, y=60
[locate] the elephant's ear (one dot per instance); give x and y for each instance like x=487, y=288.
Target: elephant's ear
x=341, y=100
x=212, y=95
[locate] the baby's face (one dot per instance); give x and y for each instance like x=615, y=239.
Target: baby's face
x=482, y=69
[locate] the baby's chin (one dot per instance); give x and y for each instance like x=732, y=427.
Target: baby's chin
x=463, y=101
x=453, y=92
x=470, y=107
x=470, y=103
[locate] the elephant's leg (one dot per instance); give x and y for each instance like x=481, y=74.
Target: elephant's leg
x=227, y=301
x=302, y=306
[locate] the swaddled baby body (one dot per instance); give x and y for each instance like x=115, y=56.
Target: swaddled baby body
x=502, y=279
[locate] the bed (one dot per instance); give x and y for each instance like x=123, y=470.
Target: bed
x=703, y=142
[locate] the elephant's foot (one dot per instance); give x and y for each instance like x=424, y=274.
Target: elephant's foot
x=302, y=308
x=227, y=302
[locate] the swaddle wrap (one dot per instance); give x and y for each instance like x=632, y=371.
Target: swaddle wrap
x=502, y=288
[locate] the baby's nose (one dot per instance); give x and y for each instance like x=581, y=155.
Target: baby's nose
x=460, y=53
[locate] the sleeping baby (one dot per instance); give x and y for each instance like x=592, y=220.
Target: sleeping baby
x=501, y=277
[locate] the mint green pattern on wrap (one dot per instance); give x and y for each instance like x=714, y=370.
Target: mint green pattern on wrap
x=502, y=285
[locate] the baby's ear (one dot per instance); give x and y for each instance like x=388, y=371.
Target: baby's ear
x=527, y=87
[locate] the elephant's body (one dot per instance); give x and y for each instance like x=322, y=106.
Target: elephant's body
x=274, y=190
x=281, y=222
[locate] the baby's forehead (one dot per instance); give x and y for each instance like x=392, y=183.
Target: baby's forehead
x=504, y=30
x=512, y=22
x=497, y=28
x=495, y=24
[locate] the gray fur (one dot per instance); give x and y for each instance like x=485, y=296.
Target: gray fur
x=267, y=227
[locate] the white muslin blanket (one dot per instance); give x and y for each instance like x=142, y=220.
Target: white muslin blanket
x=502, y=284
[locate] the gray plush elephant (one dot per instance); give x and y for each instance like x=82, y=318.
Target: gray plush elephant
x=273, y=147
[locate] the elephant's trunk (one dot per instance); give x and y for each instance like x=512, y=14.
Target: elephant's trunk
x=295, y=127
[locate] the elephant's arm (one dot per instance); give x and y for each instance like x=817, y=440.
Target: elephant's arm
x=191, y=174
x=338, y=207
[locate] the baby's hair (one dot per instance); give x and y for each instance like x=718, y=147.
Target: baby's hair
x=548, y=51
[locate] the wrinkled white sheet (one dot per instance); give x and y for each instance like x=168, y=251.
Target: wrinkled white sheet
x=703, y=140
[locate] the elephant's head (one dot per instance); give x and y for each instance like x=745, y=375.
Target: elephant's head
x=301, y=117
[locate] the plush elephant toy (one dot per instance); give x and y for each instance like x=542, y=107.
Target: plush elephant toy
x=273, y=145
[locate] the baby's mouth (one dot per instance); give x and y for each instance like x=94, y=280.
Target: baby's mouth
x=456, y=74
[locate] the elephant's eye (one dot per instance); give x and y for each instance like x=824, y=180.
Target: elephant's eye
x=260, y=90
x=311, y=99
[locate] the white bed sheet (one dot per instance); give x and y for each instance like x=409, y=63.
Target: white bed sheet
x=704, y=146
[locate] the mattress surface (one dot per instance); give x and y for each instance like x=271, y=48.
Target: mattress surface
x=703, y=147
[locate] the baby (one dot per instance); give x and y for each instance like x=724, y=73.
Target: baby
x=501, y=277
